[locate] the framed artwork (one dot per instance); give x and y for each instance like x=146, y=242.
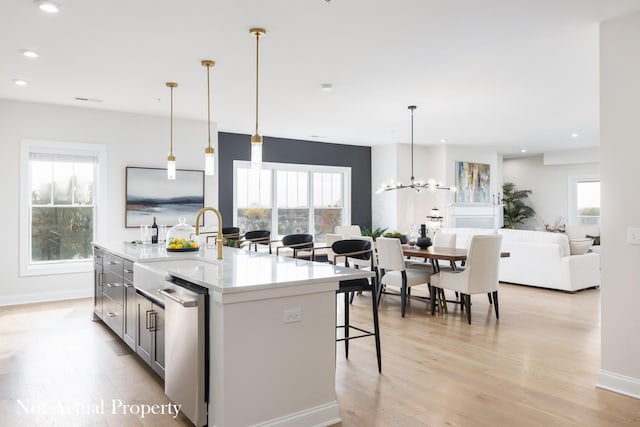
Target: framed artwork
x=473, y=182
x=149, y=193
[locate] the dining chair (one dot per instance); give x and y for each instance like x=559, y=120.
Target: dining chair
x=326, y=250
x=300, y=244
x=480, y=275
x=440, y=240
x=258, y=237
x=362, y=250
x=348, y=230
x=393, y=271
x=228, y=233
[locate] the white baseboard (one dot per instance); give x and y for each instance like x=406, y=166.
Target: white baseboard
x=319, y=416
x=619, y=384
x=45, y=296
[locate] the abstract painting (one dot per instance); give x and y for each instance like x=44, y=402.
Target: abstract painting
x=150, y=194
x=473, y=182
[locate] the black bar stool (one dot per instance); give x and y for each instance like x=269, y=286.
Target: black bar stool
x=359, y=249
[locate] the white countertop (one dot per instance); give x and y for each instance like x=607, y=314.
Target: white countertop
x=240, y=270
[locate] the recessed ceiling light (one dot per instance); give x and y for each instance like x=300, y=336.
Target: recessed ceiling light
x=326, y=87
x=524, y=150
x=443, y=141
x=575, y=135
x=47, y=6
x=20, y=82
x=29, y=53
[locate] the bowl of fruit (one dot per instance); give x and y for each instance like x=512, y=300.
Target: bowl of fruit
x=181, y=238
x=181, y=244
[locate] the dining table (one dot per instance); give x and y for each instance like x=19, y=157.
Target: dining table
x=436, y=254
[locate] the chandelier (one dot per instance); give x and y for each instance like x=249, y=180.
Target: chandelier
x=430, y=184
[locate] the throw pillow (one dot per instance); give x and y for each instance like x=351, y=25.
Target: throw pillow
x=579, y=246
x=596, y=239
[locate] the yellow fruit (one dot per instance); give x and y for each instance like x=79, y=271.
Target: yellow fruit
x=194, y=244
x=172, y=246
x=179, y=246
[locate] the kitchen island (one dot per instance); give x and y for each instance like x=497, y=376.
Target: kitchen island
x=270, y=327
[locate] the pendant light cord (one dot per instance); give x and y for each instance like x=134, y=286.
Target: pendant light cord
x=208, y=107
x=411, y=146
x=257, y=58
x=171, y=126
x=412, y=108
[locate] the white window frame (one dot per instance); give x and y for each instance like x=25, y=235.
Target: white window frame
x=57, y=147
x=572, y=214
x=310, y=169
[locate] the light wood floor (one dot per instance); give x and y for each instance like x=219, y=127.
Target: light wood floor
x=537, y=365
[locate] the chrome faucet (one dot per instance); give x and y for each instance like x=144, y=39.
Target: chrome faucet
x=219, y=238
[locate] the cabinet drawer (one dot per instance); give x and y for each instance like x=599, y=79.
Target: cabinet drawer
x=113, y=263
x=113, y=287
x=127, y=271
x=98, y=255
x=112, y=315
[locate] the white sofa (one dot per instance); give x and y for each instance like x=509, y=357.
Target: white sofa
x=539, y=259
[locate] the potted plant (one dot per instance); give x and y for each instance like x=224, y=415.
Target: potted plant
x=515, y=208
x=403, y=237
x=374, y=234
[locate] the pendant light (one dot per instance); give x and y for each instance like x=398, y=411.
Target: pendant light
x=416, y=185
x=256, y=139
x=171, y=159
x=209, y=159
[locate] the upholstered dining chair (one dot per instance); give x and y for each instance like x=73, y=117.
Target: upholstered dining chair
x=393, y=271
x=480, y=275
x=348, y=231
x=258, y=237
x=231, y=233
x=362, y=250
x=300, y=244
x=326, y=250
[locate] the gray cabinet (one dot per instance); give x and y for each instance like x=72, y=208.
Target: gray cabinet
x=113, y=292
x=114, y=298
x=150, y=333
x=97, y=283
x=137, y=320
x=130, y=306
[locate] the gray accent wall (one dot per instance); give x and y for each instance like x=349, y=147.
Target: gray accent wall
x=233, y=146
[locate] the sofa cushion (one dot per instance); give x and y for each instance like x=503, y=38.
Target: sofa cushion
x=530, y=236
x=579, y=231
x=580, y=246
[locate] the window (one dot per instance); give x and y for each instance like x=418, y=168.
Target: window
x=291, y=198
x=584, y=200
x=59, y=199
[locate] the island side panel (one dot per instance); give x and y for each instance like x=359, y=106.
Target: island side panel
x=263, y=369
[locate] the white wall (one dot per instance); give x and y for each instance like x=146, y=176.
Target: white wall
x=397, y=209
x=131, y=139
x=549, y=184
x=620, y=151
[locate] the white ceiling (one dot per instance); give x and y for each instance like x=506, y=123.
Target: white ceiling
x=506, y=74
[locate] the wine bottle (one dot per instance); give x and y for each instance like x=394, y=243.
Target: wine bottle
x=154, y=231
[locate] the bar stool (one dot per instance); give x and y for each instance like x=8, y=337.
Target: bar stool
x=358, y=249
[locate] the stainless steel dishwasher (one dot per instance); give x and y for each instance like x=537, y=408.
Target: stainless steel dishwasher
x=186, y=348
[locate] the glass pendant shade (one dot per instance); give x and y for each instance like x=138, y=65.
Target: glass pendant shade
x=256, y=151
x=171, y=167
x=209, y=161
